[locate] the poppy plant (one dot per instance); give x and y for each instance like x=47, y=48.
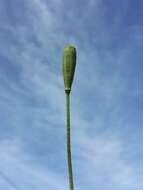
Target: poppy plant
x=69, y=64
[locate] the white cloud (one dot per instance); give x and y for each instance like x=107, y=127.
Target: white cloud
x=102, y=157
x=19, y=172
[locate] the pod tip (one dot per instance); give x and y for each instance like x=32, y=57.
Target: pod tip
x=69, y=46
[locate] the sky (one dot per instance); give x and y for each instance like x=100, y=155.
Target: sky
x=106, y=97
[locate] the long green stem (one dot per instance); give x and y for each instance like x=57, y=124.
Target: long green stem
x=71, y=185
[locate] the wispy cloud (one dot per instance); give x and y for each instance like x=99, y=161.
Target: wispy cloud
x=19, y=172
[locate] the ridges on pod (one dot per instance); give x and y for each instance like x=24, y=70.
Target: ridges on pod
x=69, y=64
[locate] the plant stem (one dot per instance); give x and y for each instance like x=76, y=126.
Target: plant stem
x=71, y=185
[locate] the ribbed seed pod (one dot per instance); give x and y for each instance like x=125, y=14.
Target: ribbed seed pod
x=69, y=63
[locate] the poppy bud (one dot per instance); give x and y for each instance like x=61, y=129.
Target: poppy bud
x=69, y=63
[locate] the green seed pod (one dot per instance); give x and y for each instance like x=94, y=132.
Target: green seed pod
x=69, y=63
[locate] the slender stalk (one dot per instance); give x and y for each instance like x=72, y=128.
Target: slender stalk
x=71, y=184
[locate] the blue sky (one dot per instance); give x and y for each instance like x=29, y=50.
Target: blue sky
x=106, y=99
